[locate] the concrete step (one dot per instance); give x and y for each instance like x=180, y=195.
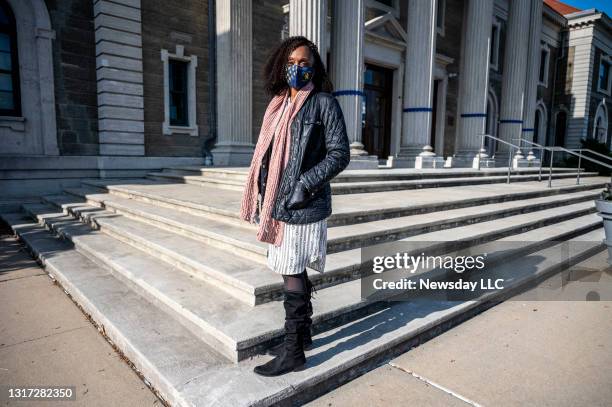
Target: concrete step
x=357, y=186
x=215, y=203
x=186, y=372
x=242, y=240
x=212, y=180
x=253, y=283
x=228, y=173
x=354, y=236
x=239, y=240
x=237, y=276
x=341, y=188
x=398, y=174
x=224, y=205
x=240, y=173
x=359, y=208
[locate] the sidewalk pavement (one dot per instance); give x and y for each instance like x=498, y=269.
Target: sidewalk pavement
x=518, y=353
x=46, y=340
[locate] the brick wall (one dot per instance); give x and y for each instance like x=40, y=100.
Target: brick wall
x=75, y=76
x=163, y=27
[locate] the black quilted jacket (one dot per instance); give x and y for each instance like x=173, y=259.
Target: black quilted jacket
x=319, y=152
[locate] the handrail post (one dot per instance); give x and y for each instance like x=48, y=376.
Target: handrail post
x=579, y=161
x=478, y=157
x=541, y=159
x=552, y=153
x=509, y=163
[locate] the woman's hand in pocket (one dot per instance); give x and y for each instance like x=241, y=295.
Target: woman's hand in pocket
x=299, y=197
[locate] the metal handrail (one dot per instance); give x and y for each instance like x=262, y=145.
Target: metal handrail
x=592, y=152
x=580, y=156
x=569, y=150
x=482, y=144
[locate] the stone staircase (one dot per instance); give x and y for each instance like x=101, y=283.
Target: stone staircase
x=363, y=181
x=179, y=284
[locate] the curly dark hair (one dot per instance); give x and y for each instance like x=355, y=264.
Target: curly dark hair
x=274, y=70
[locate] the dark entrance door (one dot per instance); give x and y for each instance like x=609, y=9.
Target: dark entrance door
x=377, y=125
x=560, y=126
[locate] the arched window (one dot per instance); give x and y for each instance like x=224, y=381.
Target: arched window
x=10, y=103
x=600, y=124
x=540, y=123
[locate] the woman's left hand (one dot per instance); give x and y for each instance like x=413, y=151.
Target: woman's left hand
x=299, y=197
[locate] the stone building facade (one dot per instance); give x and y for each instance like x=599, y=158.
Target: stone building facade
x=122, y=85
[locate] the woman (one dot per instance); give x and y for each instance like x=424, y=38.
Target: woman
x=302, y=145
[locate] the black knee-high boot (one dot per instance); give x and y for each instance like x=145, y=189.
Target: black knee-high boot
x=276, y=350
x=292, y=355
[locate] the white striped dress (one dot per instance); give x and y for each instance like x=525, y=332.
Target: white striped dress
x=303, y=245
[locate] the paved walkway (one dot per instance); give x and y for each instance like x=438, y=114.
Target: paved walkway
x=519, y=353
x=46, y=340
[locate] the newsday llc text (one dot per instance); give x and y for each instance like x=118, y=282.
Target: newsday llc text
x=445, y=271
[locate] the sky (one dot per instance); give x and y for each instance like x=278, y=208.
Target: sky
x=601, y=5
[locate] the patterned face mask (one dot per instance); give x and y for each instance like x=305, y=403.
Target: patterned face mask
x=298, y=76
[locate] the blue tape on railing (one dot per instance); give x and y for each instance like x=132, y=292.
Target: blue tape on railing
x=528, y=130
x=348, y=92
x=473, y=115
x=513, y=121
x=417, y=109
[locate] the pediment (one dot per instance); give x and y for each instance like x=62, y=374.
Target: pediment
x=386, y=26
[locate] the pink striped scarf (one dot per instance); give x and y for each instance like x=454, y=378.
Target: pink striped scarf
x=270, y=230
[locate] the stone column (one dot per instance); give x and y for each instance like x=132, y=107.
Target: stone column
x=346, y=71
x=418, y=87
x=119, y=74
x=473, y=80
x=234, y=83
x=514, y=74
x=533, y=71
x=309, y=18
